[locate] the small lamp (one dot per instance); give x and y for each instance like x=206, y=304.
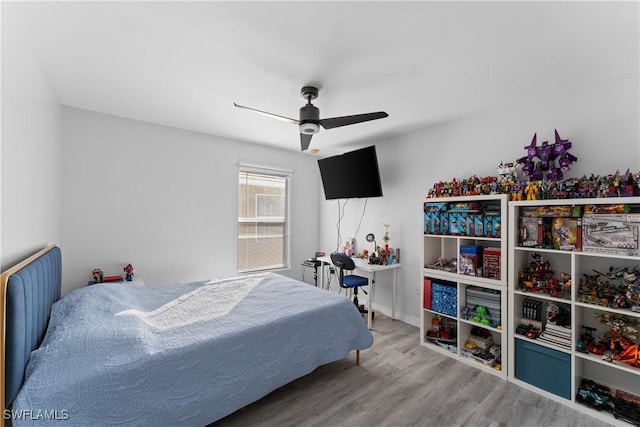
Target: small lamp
x=372, y=238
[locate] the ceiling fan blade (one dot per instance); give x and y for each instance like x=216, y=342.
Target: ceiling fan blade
x=335, y=122
x=275, y=116
x=305, y=140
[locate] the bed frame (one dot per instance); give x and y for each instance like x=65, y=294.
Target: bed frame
x=27, y=292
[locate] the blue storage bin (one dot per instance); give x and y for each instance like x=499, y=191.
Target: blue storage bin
x=543, y=367
x=444, y=299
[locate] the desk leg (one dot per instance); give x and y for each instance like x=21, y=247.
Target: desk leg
x=393, y=299
x=321, y=275
x=370, y=302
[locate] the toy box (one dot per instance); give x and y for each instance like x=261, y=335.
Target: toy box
x=444, y=222
x=492, y=224
x=444, y=299
x=427, y=223
x=464, y=206
x=556, y=211
x=454, y=228
x=469, y=260
x=528, y=233
x=611, y=233
x=483, y=342
x=545, y=235
x=432, y=213
x=606, y=209
x=464, y=220
x=491, y=262
x=564, y=233
x=478, y=221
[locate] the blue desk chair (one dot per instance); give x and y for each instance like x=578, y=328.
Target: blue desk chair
x=350, y=281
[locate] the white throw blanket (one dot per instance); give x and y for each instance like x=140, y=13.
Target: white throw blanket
x=208, y=302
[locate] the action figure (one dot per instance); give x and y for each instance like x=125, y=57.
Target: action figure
x=128, y=270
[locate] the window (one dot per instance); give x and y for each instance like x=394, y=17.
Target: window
x=263, y=227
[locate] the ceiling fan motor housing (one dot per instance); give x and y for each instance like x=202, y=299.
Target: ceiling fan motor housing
x=310, y=122
x=309, y=119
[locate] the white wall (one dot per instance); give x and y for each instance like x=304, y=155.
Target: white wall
x=165, y=200
x=30, y=150
x=602, y=121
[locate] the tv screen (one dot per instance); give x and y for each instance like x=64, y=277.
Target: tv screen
x=351, y=175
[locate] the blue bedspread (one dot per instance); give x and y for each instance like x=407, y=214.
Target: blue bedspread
x=116, y=354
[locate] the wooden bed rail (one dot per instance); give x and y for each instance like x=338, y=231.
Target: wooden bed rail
x=4, y=279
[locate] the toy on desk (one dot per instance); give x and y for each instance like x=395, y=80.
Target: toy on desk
x=377, y=260
x=128, y=270
x=386, y=238
x=347, y=250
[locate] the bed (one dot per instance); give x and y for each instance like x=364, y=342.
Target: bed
x=116, y=354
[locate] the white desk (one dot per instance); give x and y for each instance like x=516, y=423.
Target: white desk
x=370, y=269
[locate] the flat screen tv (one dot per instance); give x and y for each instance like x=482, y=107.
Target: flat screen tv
x=351, y=175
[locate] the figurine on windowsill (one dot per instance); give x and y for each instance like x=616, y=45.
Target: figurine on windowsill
x=128, y=270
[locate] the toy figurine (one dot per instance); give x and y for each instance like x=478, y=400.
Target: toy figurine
x=541, y=160
x=507, y=171
x=482, y=316
x=531, y=190
x=516, y=191
x=386, y=238
x=97, y=275
x=585, y=339
x=128, y=270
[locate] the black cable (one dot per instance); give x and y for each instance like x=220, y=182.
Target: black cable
x=355, y=236
x=340, y=215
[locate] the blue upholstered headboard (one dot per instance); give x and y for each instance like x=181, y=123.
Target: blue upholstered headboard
x=28, y=291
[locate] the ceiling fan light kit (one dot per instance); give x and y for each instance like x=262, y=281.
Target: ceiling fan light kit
x=309, y=128
x=309, y=119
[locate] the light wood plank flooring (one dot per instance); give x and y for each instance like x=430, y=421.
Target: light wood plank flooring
x=400, y=383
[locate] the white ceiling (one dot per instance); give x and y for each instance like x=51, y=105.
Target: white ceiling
x=184, y=64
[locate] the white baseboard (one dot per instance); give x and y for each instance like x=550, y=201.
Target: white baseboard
x=399, y=316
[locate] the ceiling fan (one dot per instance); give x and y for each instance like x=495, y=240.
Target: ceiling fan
x=310, y=121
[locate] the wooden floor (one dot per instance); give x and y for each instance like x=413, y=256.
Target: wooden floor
x=400, y=383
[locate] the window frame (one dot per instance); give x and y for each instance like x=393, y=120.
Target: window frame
x=269, y=171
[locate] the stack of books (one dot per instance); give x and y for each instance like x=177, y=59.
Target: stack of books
x=558, y=335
